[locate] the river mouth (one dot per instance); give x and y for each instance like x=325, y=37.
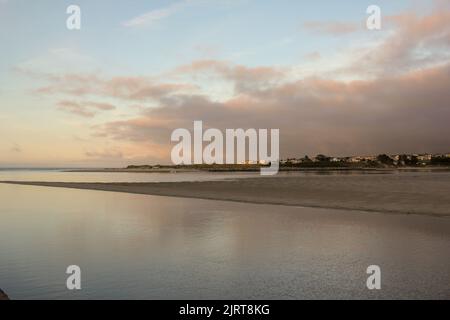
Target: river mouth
x=131, y=246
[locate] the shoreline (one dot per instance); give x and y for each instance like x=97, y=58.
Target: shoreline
x=281, y=169
x=373, y=193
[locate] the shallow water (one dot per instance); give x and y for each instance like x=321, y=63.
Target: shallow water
x=148, y=247
x=66, y=175
x=74, y=175
x=63, y=175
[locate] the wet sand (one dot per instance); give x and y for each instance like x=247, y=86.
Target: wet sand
x=405, y=193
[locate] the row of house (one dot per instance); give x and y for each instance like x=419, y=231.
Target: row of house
x=396, y=159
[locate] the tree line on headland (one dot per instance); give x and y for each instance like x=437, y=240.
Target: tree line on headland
x=322, y=161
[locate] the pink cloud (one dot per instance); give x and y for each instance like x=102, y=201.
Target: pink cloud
x=84, y=109
x=128, y=88
x=318, y=115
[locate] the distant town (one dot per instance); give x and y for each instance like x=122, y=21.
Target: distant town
x=378, y=160
x=323, y=161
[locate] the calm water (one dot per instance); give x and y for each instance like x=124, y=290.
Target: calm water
x=64, y=175
x=137, y=246
x=61, y=175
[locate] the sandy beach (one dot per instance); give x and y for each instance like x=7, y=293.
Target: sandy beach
x=405, y=193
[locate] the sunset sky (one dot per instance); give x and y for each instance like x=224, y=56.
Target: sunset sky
x=111, y=93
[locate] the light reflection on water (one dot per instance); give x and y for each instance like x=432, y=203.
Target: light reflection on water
x=138, y=246
x=76, y=175
x=61, y=175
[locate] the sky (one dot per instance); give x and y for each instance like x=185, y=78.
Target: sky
x=111, y=93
